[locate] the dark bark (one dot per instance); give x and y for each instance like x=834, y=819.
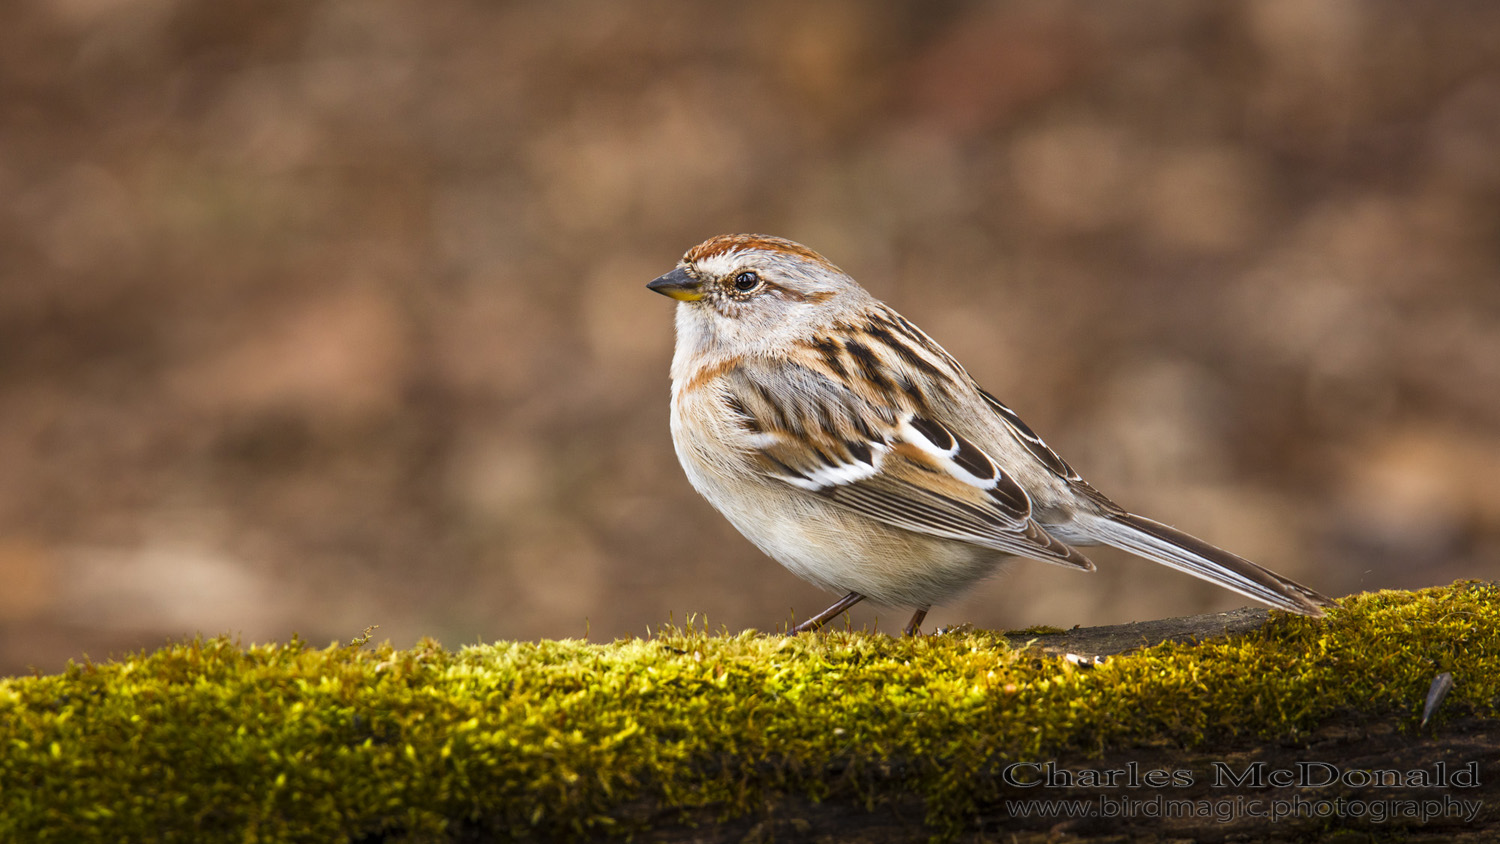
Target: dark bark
x=1119, y=638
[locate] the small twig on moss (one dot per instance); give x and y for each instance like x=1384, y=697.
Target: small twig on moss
x=364, y=638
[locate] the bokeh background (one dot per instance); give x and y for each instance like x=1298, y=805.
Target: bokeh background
x=318, y=315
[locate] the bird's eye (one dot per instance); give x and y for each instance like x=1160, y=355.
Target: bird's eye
x=746, y=281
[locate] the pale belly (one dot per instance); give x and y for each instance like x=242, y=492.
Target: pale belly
x=832, y=547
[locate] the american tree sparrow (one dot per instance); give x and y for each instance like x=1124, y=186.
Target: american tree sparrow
x=846, y=444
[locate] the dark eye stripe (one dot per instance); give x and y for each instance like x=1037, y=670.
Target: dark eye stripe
x=792, y=295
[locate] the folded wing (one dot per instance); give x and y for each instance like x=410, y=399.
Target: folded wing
x=908, y=472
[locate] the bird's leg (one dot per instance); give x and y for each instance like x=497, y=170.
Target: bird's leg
x=822, y=618
x=914, y=627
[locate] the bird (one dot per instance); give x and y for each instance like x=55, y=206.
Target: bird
x=846, y=444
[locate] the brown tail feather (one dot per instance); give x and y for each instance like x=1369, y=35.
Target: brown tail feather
x=1184, y=552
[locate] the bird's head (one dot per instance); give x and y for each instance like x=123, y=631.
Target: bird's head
x=748, y=291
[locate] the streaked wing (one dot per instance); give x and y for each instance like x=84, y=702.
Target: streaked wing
x=907, y=471
x=1028, y=438
x=920, y=510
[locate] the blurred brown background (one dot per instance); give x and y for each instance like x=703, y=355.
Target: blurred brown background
x=315, y=315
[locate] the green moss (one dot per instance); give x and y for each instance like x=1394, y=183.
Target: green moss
x=208, y=741
x=1038, y=630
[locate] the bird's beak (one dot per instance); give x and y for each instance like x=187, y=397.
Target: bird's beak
x=679, y=285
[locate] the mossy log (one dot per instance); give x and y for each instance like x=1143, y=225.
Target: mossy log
x=1206, y=728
